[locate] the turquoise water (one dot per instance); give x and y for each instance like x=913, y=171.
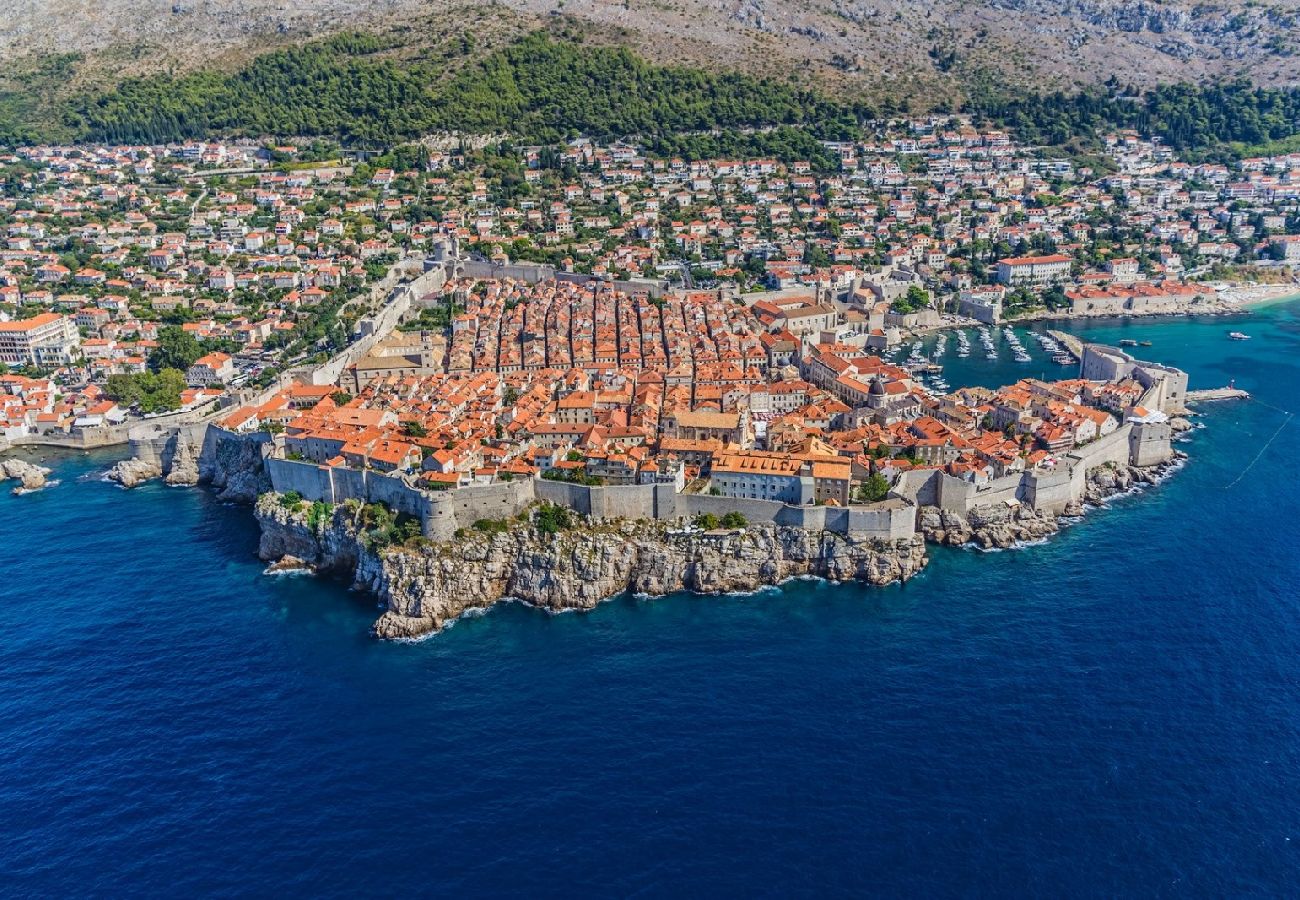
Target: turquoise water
x=1115, y=712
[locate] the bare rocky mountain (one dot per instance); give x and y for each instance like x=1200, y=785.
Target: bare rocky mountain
x=905, y=46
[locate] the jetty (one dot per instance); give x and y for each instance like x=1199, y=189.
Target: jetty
x=1071, y=343
x=1222, y=393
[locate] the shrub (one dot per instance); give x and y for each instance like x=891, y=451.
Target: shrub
x=491, y=526
x=707, y=521
x=734, y=520
x=552, y=519
x=318, y=515
x=874, y=488
x=291, y=500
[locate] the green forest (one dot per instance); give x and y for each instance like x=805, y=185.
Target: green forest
x=539, y=89
x=1231, y=117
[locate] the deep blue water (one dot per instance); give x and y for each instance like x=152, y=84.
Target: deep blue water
x=1117, y=712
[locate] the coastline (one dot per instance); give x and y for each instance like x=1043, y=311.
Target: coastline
x=423, y=586
x=1234, y=298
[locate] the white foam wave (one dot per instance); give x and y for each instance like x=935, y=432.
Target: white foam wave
x=292, y=570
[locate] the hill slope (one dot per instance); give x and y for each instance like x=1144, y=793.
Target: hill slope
x=917, y=48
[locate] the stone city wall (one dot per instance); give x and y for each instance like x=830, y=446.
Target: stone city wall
x=888, y=520
x=532, y=273
x=375, y=328
x=1130, y=444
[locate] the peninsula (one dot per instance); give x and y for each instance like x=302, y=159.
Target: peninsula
x=609, y=371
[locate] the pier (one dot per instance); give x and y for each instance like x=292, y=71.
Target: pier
x=1068, y=341
x=1222, y=393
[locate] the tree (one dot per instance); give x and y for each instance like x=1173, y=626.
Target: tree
x=177, y=349
x=734, y=519
x=415, y=430
x=874, y=489
x=148, y=391
x=915, y=298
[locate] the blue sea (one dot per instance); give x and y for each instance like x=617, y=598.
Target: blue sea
x=1116, y=712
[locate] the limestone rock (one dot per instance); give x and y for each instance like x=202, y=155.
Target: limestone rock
x=234, y=469
x=133, y=472
x=288, y=564
x=991, y=525
x=423, y=588
x=183, y=468
x=31, y=476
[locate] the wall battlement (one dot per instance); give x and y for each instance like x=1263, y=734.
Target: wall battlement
x=443, y=512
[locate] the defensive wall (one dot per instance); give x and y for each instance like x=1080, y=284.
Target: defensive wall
x=1137, y=444
x=375, y=327
x=535, y=272
x=110, y=435
x=442, y=512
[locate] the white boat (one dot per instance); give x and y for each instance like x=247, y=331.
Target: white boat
x=1238, y=336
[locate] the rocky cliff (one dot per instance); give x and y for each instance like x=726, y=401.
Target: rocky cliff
x=230, y=464
x=424, y=587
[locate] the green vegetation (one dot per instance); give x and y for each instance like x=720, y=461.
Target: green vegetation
x=491, y=526
x=382, y=528
x=709, y=522
x=1223, y=119
x=552, y=519
x=538, y=89
x=874, y=489
x=573, y=476
x=915, y=299
x=365, y=90
x=318, y=515
x=147, y=391
x=177, y=349
x=733, y=519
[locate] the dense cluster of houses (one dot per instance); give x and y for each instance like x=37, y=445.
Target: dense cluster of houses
x=102, y=246
x=600, y=387
x=937, y=203
x=105, y=245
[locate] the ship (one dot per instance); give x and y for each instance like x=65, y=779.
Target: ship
x=1238, y=336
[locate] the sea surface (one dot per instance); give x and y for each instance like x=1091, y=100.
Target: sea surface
x=1115, y=712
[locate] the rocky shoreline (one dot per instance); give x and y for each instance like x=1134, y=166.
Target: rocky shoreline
x=423, y=585
x=998, y=526
x=422, y=588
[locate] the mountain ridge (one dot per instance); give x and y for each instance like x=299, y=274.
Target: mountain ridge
x=926, y=51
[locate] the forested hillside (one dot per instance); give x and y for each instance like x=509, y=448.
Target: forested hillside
x=540, y=89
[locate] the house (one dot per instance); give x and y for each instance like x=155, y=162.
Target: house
x=214, y=367
x=1034, y=270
